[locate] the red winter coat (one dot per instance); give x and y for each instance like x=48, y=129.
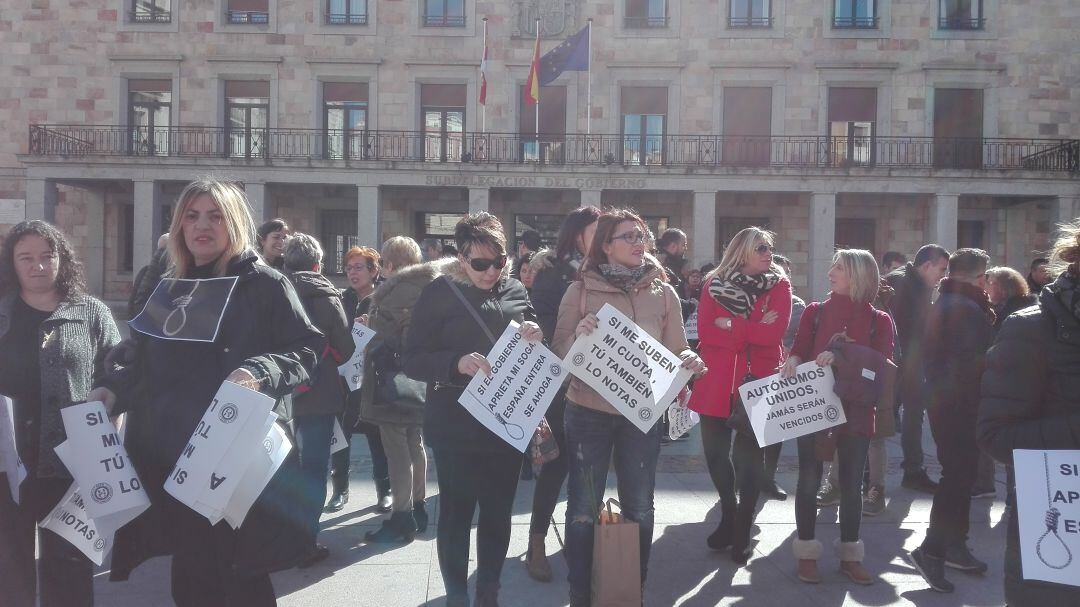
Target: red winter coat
x=725, y=351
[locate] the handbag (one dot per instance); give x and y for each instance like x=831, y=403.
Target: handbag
x=392, y=385
x=543, y=447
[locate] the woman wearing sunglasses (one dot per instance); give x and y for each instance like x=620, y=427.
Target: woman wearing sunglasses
x=616, y=272
x=454, y=325
x=742, y=316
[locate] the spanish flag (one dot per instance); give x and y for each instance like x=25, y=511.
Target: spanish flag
x=532, y=85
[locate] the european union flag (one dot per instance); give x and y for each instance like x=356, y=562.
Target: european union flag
x=570, y=56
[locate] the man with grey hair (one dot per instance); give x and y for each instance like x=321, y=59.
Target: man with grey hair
x=431, y=249
x=317, y=404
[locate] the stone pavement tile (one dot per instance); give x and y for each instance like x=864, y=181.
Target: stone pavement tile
x=360, y=584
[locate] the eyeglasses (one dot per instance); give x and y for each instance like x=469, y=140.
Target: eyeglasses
x=358, y=267
x=763, y=248
x=483, y=265
x=631, y=238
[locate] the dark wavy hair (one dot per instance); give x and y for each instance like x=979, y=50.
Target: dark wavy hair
x=572, y=227
x=69, y=277
x=481, y=228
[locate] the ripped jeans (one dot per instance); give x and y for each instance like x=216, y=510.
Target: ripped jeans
x=591, y=439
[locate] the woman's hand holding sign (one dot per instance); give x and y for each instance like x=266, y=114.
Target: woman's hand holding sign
x=693, y=362
x=825, y=359
x=471, y=363
x=243, y=377
x=788, y=370
x=588, y=324
x=531, y=331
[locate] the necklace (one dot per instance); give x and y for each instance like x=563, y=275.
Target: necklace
x=181, y=304
x=1053, y=515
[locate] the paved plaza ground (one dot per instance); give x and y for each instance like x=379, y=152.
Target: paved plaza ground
x=682, y=570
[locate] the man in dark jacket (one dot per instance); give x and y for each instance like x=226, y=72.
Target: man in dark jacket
x=317, y=404
x=148, y=277
x=959, y=329
x=913, y=285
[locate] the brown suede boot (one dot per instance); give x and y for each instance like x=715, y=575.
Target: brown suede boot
x=851, y=557
x=808, y=552
x=536, y=561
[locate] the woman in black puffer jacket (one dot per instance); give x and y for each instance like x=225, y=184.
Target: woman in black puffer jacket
x=1031, y=397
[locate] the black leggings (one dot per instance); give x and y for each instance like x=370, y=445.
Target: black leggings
x=745, y=466
x=552, y=476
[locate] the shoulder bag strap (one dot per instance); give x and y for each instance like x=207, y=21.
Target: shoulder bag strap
x=470, y=308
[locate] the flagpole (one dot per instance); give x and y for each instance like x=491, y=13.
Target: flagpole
x=538, y=88
x=483, y=108
x=588, y=104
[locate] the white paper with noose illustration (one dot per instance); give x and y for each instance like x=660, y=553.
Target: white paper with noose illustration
x=1048, y=508
x=185, y=309
x=512, y=400
x=353, y=369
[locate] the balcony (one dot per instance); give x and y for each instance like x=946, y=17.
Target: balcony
x=678, y=151
x=248, y=17
x=150, y=15
x=749, y=22
x=346, y=19
x=638, y=23
x=444, y=20
x=855, y=23
x=961, y=23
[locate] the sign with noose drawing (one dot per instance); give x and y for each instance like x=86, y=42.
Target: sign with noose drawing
x=1048, y=509
x=185, y=309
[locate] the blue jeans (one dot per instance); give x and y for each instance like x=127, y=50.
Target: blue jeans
x=851, y=451
x=591, y=438
x=313, y=434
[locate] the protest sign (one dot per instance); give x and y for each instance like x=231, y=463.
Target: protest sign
x=690, y=326
x=184, y=309
x=680, y=418
x=71, y=522
x=275, y=447
x=1048, y=510
x=513, y=399
x=241, y=455
x=783, y=409
x=353, y=369
x=10, y=462
x=337, y=438
x=628, y=367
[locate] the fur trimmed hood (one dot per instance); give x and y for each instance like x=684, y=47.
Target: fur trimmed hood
x=544, y=259
x=419, y=274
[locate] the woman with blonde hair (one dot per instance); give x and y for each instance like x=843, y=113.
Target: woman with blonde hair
x=742, y=317
x=264, y=342
x=846, y=316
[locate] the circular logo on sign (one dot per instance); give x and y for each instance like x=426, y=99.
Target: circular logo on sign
x=645, y=414
x=355, y=379
x=832, y=413
x=101, y=493
x=228, y=413
x=99, y=545
x=579, y=359
x=268, y=445
x=556, y=370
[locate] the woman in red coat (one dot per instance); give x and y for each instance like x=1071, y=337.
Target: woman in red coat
x=744, y=311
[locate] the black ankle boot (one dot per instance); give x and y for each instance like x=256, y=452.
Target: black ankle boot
x=384, y=503
x=340, y=496
x=721, y=538
x=419, y=513
x=400, y=527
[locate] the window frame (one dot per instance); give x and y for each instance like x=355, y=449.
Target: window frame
x=446, y=20
x=335, y=223
x=976, y=24
x=856, y=23
x=249, y=131
x=446, y=154
x=151, y=126
x=647, y=22
x=156, y=12
x=351, y=17
x=748, y=22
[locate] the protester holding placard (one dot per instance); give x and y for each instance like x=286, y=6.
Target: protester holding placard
x=742, y=316
x=458, y=318
x=557, y=269
x=265, y=343
x=53, y=341
x=616, y=272
x=317, y=403
x=1031, y=399
x=848, y=315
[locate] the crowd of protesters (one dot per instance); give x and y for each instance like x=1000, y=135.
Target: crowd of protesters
x=990, y=356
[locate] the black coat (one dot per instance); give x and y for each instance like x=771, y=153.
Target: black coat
x=169, y=384
x=958, y=334
x=325, y=393
x=552, y=279
x=1031, y=400
x=908, y=307
x=442, y=332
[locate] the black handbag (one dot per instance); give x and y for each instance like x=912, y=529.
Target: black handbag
x=392, y=385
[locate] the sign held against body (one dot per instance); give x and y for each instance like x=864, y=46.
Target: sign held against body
x=1048, y=511
x=512, y=400
x=628, y=367
x=783, y=409
x=185, y=309
x=10, y=462
x=353, y=369
x=71, y=522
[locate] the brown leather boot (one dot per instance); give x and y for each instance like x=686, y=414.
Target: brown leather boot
x=851, y=557
x=536, y=561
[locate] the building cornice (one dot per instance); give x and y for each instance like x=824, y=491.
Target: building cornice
x=856, y=65
x=446, y=62
x=646, y=64
x=342, y=61
x=774, y=65
x=146, y=58
x=962, y=66
x=243, y=59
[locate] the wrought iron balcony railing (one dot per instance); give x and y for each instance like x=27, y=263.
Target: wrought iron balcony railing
x=346, y=19
x=645, y=22
x=855, y=23
x=444, y=20
x=961, y=23
x=248, y=17
x=558, y=149
x=749, y=22
x=144, y=14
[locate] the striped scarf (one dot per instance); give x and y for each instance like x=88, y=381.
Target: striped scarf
x=737, y=292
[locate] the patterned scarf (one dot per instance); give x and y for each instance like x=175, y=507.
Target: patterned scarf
x=972, y=292
x=1067, y=289
x=737, y=292
x=622, y=277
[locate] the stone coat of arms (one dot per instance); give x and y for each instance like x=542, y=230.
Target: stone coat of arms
x=558, y=18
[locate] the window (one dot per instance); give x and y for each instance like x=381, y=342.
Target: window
x=642, y=14
x=247, y=109
x=125, y=252
x=151, y=11
x=338, y=236
x=546, y=225
x=438, y=226
x=970, y=234
x=347, y=12
x=730, y=226
x=855, y=14
x=443, y=113
x=149, y=106
x=747, y=136
x=958, y=122
x=856, y=234
x=549, y=146
x=248, y=11
x=852, y=113
x=345, y=118
x=444, y=13
x=644, y=117
x=749, y=13
x=961, y=15
x=657, y=225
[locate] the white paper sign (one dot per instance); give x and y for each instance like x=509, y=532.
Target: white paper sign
x=690, y=326
x=353, y=369
x=10, y=462
x=1048, y=507
x=70, y=521
x=337, y=439
x=783, y=409
x=275, y=447
x=680, y=418
x=512, y=400
x=628, y=367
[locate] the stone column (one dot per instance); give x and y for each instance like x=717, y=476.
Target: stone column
x=591, y=198
x=256, y=195
x=93, y=247
x=41, y=197
x=703, y=230
x=1016, y=237
x=944, y=217
x=368, y=216
x=479, y=199
x=822, y=243
x=1067, y=210
x=145, y=234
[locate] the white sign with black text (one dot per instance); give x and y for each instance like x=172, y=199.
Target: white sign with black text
x=71, y=522
x=353, y=369
x=337, y=438
x=1048, y=509
x=512, y=400
x=10, y=462
x=680, y=418
x=783, y=409
x=690, y=326
x=628, y=367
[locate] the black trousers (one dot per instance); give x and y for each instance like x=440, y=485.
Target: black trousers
x=202, y=573
x=468, y=480
x=552, y=476
x=745, y=467
x=958, y=452
x=66, y=576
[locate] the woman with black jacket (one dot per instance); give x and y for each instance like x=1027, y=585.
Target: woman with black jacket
x=1031, y=397
x=265, y=343
x=445, y=347
x=558, y=269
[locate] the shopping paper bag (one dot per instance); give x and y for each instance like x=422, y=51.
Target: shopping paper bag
x=616, y=572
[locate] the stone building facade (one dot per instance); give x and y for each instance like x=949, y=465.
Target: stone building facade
x=882, y=124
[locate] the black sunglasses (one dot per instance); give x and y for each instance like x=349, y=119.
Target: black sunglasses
x=483, y=265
